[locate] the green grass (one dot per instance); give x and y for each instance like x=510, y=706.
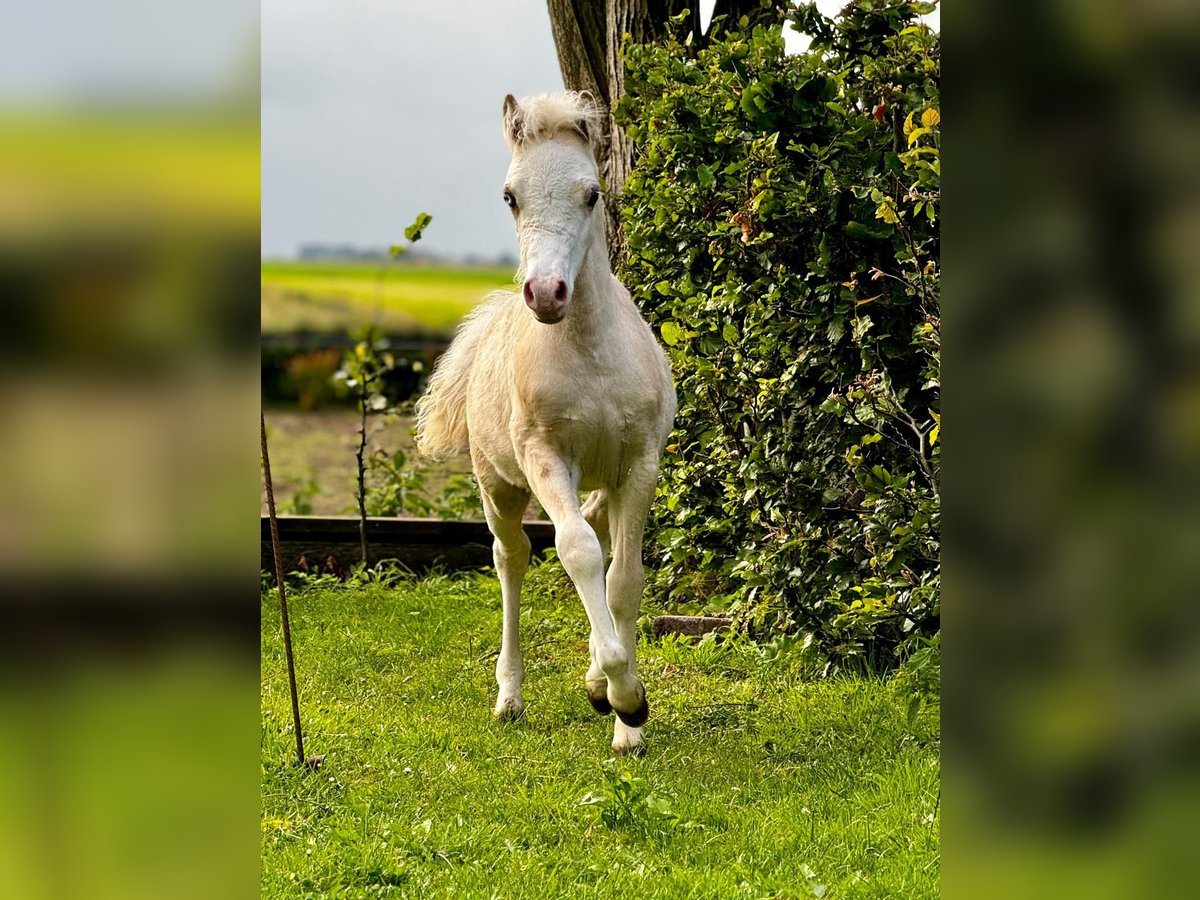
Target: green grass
x=758, y=781
x=411, y=299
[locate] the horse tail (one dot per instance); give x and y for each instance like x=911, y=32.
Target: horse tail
x=442, y=410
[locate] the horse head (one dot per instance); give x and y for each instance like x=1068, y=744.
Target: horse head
x=552, y=188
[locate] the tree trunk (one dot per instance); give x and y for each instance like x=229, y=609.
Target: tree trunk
x=589, y=35
x=580, y=31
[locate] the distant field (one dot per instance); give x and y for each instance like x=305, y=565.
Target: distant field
x=403, y=299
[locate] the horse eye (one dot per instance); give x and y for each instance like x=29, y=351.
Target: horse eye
x=593, y=196
x=510, y=200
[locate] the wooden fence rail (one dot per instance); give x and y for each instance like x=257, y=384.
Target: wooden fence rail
x=331, y=543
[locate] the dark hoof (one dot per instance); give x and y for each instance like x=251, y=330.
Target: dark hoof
x=599, y=703
x=638, y=717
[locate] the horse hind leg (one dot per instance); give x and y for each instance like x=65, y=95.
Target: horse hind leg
x=595, y=513
x=503, y=505
x=626, y=583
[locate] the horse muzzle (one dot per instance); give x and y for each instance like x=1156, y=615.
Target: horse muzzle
x=547, y=296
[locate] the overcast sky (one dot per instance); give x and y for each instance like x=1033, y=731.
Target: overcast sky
x=375, y=110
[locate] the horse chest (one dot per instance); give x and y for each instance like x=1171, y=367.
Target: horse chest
x=600, y=408
x=598, y=423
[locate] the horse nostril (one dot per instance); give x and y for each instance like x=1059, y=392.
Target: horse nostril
x=560, y=291
x=528, y=293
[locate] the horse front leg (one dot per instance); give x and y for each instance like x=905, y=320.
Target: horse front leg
x=595, y=513
x=503, y=506
x=582, y=556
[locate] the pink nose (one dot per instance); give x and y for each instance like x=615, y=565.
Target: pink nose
x=546, y=295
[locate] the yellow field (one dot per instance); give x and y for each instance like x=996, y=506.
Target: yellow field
x=401, y=299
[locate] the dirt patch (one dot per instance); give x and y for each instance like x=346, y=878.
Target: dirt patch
x=319, y=447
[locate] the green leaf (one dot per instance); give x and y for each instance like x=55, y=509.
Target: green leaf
x=861, y=325
x=413, y=232
x=671, y=333
x=863, y=232
x=823, y=251
x=916, y=134
x=704, y=174
x=887, y=212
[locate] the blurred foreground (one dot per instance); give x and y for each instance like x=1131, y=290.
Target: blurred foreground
x=129, y=270
x=1072, y=523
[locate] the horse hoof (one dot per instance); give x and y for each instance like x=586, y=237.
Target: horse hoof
x=637, y=718
x=627, y=741
x=638, y=749
x=509, y=710
x=600, y=701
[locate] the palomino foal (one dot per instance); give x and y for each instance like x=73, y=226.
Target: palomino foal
x=558, y=389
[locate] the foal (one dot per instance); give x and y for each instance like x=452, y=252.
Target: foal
x=555, y=390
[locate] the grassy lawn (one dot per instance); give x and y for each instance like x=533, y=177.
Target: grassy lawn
x=411, y=299
x=759, y=781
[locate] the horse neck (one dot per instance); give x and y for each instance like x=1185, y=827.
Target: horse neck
x=591, y=312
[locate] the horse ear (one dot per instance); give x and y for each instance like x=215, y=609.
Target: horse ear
x=513, y=124
x=587, y=124
x=583, y=127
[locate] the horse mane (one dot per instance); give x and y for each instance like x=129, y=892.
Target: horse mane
x=542, y=116
x=441, y=411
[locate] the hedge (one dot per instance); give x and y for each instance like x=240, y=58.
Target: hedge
x=782, y=229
